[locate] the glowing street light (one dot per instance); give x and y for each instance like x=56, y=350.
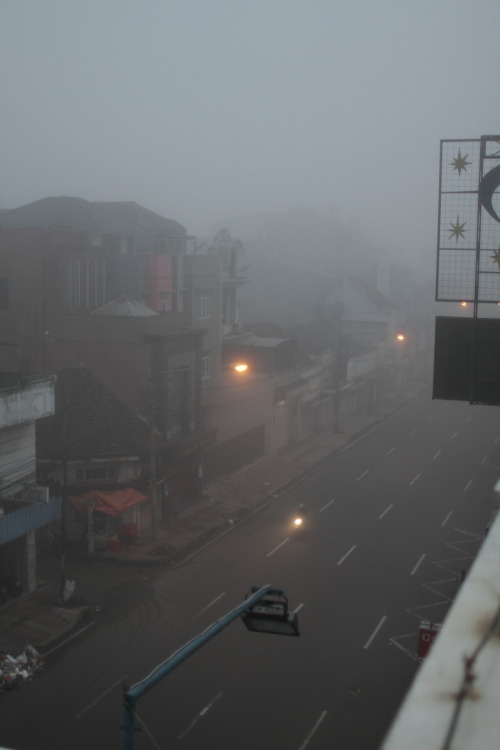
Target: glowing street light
x=400, y=337
x=240, y=367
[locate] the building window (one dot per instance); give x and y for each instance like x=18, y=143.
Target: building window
x=204, y=306
x=165, y=302
x=205, y=366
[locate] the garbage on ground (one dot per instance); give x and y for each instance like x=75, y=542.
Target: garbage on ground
x=68, y=591
x=14, y=670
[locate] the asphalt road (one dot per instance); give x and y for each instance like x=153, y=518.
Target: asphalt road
x=395, y=519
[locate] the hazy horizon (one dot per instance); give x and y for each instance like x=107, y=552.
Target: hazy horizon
x=209, y=110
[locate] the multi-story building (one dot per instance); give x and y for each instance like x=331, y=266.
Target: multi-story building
x=26, y=509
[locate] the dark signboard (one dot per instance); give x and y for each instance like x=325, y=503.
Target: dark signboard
x=467, y=360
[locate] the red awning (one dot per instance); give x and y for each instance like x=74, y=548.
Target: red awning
x=112, y=502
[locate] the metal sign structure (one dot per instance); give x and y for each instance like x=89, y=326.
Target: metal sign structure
x=468, y=257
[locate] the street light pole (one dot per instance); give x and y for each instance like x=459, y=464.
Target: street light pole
x=132, y=694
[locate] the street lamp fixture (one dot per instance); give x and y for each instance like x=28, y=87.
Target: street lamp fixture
x=278, y=619
x=400, y=337
x=271, y=615
x=239, y=367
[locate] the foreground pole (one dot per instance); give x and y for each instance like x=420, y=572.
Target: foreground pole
x=132, y=694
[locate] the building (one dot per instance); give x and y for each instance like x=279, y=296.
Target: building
x=26, y=509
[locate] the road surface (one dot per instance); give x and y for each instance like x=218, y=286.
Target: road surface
x=396, y=519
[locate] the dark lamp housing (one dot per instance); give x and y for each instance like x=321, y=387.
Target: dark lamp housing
x=271, y=615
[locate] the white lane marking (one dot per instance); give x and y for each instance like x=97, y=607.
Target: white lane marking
x=370, y=639
x=467, y=485
x=386, y=511
x=390, y=450
x=298, y=608
x=313, y=730
x=364, y=435
x=436, y=455
x=326, y=506
x=484, y=459
x=415, y=479
x=198, y=614
x=202, y=713
x=73, y=635
x=346, y=555
x=362, y=475
x=447, y=518
x=468, y=419
x=454, y=435
x=428, y=419
x=100, y=697
x=277, y=548
x=412, y=432
x=420, y=561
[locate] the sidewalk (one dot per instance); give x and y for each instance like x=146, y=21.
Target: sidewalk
x=36, y=618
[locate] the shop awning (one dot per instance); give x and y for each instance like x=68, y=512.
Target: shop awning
x=111, y=502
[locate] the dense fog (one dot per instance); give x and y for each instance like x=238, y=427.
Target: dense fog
x=210, y=111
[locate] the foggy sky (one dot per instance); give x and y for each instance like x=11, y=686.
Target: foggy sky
x=203, y=110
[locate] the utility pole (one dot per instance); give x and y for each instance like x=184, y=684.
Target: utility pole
x=152, y=484
x=279, y=621
x=63, y=532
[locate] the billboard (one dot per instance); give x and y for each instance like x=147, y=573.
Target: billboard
x=468, y=257
x=467, y=360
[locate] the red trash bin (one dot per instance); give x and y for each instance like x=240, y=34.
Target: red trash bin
x=128, y=531
x=113, y=545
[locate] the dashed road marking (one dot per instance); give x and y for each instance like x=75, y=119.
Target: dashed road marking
x=346, y=555
x=326, y=506
x=277, y=548
x=313, y=730
x=362, y=475
x=415, y=479
x=201, y=714
x=386, y=511
x=370, y=639
x=420, y=561
x=198, y=614
x=467, y=485
x=100, y=697
x=447, y=518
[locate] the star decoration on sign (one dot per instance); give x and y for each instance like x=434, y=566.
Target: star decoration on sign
x=457, y=230
x=496, y=256
x=460, y=162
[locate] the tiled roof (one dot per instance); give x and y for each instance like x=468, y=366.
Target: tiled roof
x=134, y=212
x=124, y=306
x=69, y=211
x=90, y=422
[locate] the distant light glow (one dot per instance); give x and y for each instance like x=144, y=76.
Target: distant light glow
x=240, y=367
x=400, y=336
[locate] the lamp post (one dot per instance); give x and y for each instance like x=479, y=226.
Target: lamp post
x=265, y=610
x=176, y=400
